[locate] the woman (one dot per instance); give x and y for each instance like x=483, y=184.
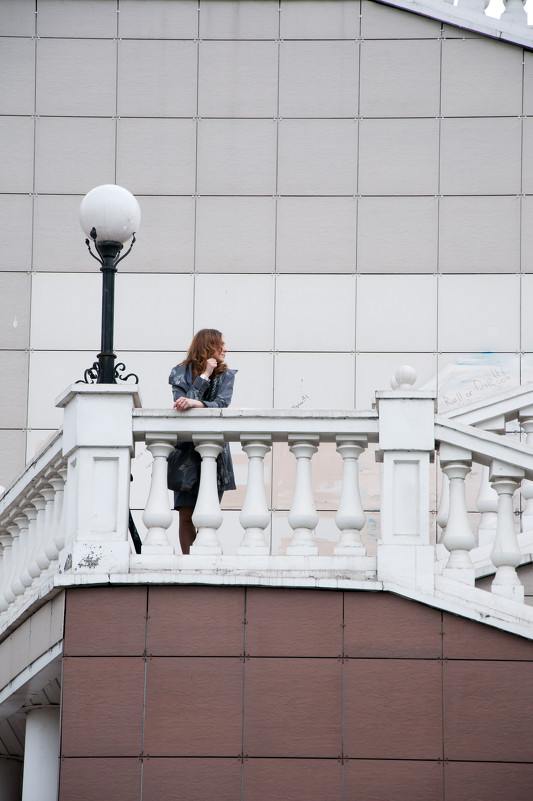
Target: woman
x=203, y=379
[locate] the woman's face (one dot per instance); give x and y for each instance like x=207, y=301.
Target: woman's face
x=220, y=354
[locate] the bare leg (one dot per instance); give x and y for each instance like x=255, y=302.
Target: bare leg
x=187, y=529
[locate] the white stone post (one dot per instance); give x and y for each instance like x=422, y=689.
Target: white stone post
x=41, y=754
x=49, y=495
x=350, y=517
x=57, y=538
x=157, y=516
x=98, y=442
x=506, y=554
x=39, y=562
x=405, y=554
x=5, y=597
x=487, y=505
x=22, y=523
x=17, y=588
x=207, y=516
x=10, y=778
x=526, y=490
x=444, y=504
x=303, y=518
x=515, y=12
x=31, y=564
x=458, y=537
x=254, y=517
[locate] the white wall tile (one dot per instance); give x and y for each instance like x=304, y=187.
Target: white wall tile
x=527, y=234
x=241, y=306
x=316, y=234
x=305, y=19
x=479, y=234
x=66, y=311
x=318, y=79
x=526, y=305
x=14, y=383
x=306, y=381
x=238, y=79
x=36, y=439
x=254, y=383
x=157, y=79
x=396, y=313
x=73, y=155
x=317, y=157
x=140, y=300
x=17, y=19
x=17, y=68
x=84, y=18
x=51, y=372
x=479, y=313
x=392, y=83
x=305, y=308
x=158, y=19
x=374, y=371
x=470, y=83
x=235, y=234
x=243, y=20
x=16, y=231
x=480, y=156
x=14, y=310
x=57, y=220
x=397, y=234
x=16, y=154
x=398, y=157
x=12, y=445
x=527, y=157
x=153, y=369
x=382, y=22
x=156, y=156
x=465, y=378
x=76, y=77
x=165, y=239
x=528, y=82
x=236, y=157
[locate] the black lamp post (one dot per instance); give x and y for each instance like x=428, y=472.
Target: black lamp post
x=109, y=215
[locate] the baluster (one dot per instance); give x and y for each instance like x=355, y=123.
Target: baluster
x=157, y=516
x=477, y=6
x=506, y=554
x=487, y=504
x=526, y=490
x=207, y=516
x=458, y=537
x=350, y=517
x=3, y=570
x=444, y=504
x=17, y=588
x=514, y=12
x=22, y=523
x=303, y=518
x=61, y=534
x=49, y=495
x=31, y=564
x=254, y=517
x=40, y=560
x=7, y=542
x=56, y=528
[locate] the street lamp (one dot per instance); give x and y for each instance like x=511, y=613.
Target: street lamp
x=109, y=215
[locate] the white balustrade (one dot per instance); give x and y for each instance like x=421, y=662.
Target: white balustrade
x=515, y=12
x=7, y=542
x=303, y=518
x=49, y=546
x=17, y=588
x=487, y=505
x=444, y=504
x=255, y=517
x=350, y=517
x=57, y=539
x=458, y=537
x=157, y=516
x=207, y=516
x=526, y=490
x=4, y=537
x=22, y=523
x=506, y=554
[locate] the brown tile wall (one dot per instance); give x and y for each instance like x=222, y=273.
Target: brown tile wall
x=250, y=694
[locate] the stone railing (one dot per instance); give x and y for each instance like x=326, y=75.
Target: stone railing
x=65, y=519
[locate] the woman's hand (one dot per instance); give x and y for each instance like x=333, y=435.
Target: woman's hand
x=182, y=404
x=210, y=365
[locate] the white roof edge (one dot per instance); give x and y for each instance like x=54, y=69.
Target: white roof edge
x=477, y=21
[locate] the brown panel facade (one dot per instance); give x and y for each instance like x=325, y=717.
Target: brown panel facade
x=394, y=780
x=292, y=779
x=100, y=779
x=490, y=781
x=466, y=639
x=384, y=625
x=188, y=621
x=104, y=621
x=393, y=707
x=286, y=623
x=194, y=706
x=102, y=707
x=293, y=707
x=191, y=779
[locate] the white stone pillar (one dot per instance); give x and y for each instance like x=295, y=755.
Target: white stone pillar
x=458, y=537
x=207, y=516
x=350, y=517
x=506, y=555
x=526, y=490
x=10, y=778
x=254, y=517
x=303, y=518
x=5, y=542
x=157, y=516
x=41, y=754
x=487, y=505
x=17, y=588
x=22, y=522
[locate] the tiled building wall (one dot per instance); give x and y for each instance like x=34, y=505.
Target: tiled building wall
x=270, y=694
x=339, y=186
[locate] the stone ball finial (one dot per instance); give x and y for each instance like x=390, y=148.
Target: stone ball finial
x=404, y=377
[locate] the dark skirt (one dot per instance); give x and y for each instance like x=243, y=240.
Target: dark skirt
x=189, y=498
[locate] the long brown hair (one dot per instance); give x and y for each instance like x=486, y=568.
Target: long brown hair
x=206, y=342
